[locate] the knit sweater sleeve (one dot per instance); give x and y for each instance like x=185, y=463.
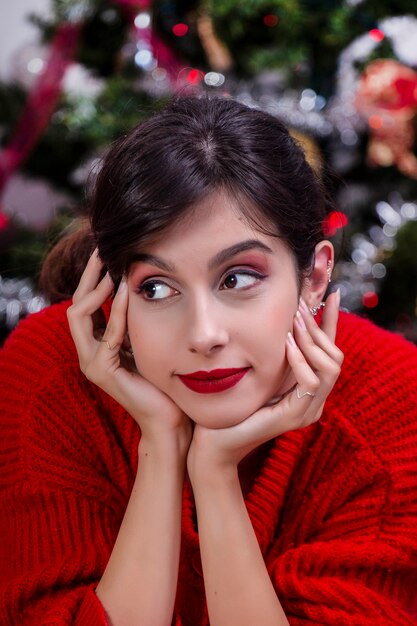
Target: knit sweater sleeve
x=67, y=465
x=351, y=558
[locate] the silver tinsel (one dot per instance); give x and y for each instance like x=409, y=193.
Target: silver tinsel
x=17, y=299
x=364, y=271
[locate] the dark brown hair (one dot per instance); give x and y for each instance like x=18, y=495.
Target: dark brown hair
x=154, y=175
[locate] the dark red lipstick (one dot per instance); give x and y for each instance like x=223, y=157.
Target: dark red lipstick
x=214, y=381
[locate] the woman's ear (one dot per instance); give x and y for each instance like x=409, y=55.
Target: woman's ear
x=316, y=284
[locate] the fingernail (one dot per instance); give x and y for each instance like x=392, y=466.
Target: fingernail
x=122, y=286
x=303, y=305
x=300, y=320
x=291, y=339
x=337, y=292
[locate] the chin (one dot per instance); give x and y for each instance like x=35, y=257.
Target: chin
x=219, y=422
x=222, y=418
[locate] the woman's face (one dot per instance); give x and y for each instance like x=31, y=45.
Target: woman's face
x=214, y=294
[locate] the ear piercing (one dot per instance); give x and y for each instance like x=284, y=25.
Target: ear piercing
x=329, y=271
x=315, y=309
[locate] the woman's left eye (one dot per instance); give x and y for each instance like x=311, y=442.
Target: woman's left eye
x=241, y=280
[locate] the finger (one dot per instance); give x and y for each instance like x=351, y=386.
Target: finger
x=116, y=326
x=322, y=356
x=93, y=300
x=330, y=314
x=80, y=318
x=324, y=336
x=308, y=382
x=307, y=398
x=299, y=407
x=90, y=277
x=292, y=411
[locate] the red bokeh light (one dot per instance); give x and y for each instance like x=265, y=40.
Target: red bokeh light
x=376, y=34
x=271, y=20
x=370, y=299
x=4, y=221
x=194, y=76
x=180, y=29
x=334, y=221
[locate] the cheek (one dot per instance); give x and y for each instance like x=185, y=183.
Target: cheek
x=269, y=343
x=151, y=346
x=273, y=325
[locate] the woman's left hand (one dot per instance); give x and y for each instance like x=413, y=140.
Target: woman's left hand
x=315, y=361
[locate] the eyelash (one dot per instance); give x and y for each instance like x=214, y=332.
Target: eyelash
x=240, y=272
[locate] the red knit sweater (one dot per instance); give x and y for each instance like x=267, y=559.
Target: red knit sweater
x=334, y=506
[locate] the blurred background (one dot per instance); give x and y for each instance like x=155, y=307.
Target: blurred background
x=342, y=74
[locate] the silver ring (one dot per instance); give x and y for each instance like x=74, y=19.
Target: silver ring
x=306, y=393
x=108, y=344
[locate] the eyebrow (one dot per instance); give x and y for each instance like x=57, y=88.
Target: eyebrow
x=218, y=259
x=143, y=257
x=243, y=246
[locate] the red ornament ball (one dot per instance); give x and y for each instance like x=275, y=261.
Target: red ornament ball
x=180, y=30
x=376, y=34
x=334, y=221
x=271, y=20
x=370, y=299
x=194, y=76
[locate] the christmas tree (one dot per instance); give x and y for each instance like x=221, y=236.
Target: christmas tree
x=340, y=73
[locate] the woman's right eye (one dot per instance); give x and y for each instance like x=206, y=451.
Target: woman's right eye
x=156, y=290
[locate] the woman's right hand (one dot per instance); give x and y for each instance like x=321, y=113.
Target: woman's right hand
x=100, y=360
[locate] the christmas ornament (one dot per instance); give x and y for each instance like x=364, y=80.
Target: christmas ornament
x=402, y=31
x=387, y=98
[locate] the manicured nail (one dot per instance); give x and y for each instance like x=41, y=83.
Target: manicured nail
x=291, y=339
x=300, y=320
x=303, y=305
x=109, y=278
x=122, y=286
x=337, y=292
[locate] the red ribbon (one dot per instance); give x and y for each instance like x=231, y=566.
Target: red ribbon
x=135, y=4
x=161, y=51
x=41, y=102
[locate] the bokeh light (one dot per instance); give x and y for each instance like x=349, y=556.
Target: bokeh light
x=370, y=299
x=271, y=20
x=376, y=34
x=180, y=29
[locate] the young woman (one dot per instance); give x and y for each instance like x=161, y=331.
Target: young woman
x=193, y=437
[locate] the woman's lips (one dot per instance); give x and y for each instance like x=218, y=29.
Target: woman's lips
x=214, y=381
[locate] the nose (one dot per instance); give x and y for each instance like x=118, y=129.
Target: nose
x=207, y=332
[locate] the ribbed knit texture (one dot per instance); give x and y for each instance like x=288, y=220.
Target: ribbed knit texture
x=334, y=506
